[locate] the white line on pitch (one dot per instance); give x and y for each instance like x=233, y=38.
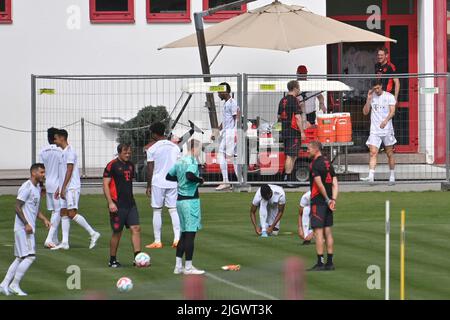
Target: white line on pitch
x=243, y=288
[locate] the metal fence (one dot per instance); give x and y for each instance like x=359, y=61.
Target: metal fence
x=100, y=111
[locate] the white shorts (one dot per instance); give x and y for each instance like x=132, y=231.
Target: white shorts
x=52, y=203
x=376, y=140
x=24, y=244
x=228, y=143
x=306, y=225
x=72, y=199
x=164, y=197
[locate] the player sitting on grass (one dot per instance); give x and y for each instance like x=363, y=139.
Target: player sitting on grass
x=27, y=211
x=118, y=189
x=304, y=226
x=186, y=173
x=271, y=201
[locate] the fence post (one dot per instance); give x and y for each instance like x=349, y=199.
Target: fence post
x=245, y=128
x=445, y=186
x=33, y=118
x=83, y=149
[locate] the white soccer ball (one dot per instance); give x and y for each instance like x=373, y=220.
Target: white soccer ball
x=142, y=260
x=124, y=284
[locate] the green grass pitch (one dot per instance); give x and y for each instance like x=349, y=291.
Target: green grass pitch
x=228, y=238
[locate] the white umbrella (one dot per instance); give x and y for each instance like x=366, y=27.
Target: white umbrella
x=279, y=27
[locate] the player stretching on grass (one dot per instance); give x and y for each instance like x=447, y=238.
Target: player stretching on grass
x=70, y=193
x=118, y=190
x=304, y=225
x=324, y=192
x=271, y=201
x=27, y=211
x=161, y=156
x=186, y=173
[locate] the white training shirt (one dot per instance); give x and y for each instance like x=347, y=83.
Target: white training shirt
x=51, y=157
x=310, y=104
x=305, y=201
x=278, y=197
x=165, y=154
x=379, y=112
x=230, y=109
x=70, y=157
x=31, y=195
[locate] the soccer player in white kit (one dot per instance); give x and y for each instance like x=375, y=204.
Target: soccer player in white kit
x=27, y=211
x=227, y=147
x=381, y=105
x=69, y=193
x=271, y=201
x=161, y=157
x=51, y=157
x=304, y=226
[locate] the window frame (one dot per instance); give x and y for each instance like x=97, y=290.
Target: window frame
x=222, y=15
x=111, y=16
x=168, y=17
x=6, y=16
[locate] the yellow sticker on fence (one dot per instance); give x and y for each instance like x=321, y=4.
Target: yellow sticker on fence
x=217, y=89
x=267, y=87
x=47, y=91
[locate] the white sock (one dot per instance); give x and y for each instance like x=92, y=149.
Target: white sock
x=52, y=233
x=65, y=226
x=392, y=174
x=22, y=269
x=178, y=262
x=188, y=264
x=263, y=218
x=224, y=167
x=83, y=223
x=175, y=223
x=11, y=273
x=157, y=223
x=371, y=173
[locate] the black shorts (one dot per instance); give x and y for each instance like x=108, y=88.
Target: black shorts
x=292, y=144
x=124, y=217
x=321, y=216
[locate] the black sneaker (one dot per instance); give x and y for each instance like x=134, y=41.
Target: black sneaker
x=329, y=267
x=317, y=267
x=114, y=264
x=306, y=243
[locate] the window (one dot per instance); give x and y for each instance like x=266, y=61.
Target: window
x=350, y=8
x=5, y=11
x=112, y=11
x=222, y=15
x=168, y=10
x=401, y=7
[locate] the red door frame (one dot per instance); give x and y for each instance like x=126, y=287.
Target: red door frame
x=411, y=22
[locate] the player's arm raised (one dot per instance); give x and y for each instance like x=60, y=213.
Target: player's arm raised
x=107, y=192
x=21, y=216
x=67, y=178
x=366, y=108
x=253, y=209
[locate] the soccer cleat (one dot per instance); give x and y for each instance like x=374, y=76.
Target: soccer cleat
x=367, y=179
x=178, y=270
x=61, y=246
x=114, y=264
x=94, y=239
x=223, y=186
x=49, y=245
x=306, y=243
x=193, y=271
x=264, y=234
x=329, y=267
x=15, y=289
x=154, y=245
x=5, y=291
x=317, y=267
x=175, y=244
